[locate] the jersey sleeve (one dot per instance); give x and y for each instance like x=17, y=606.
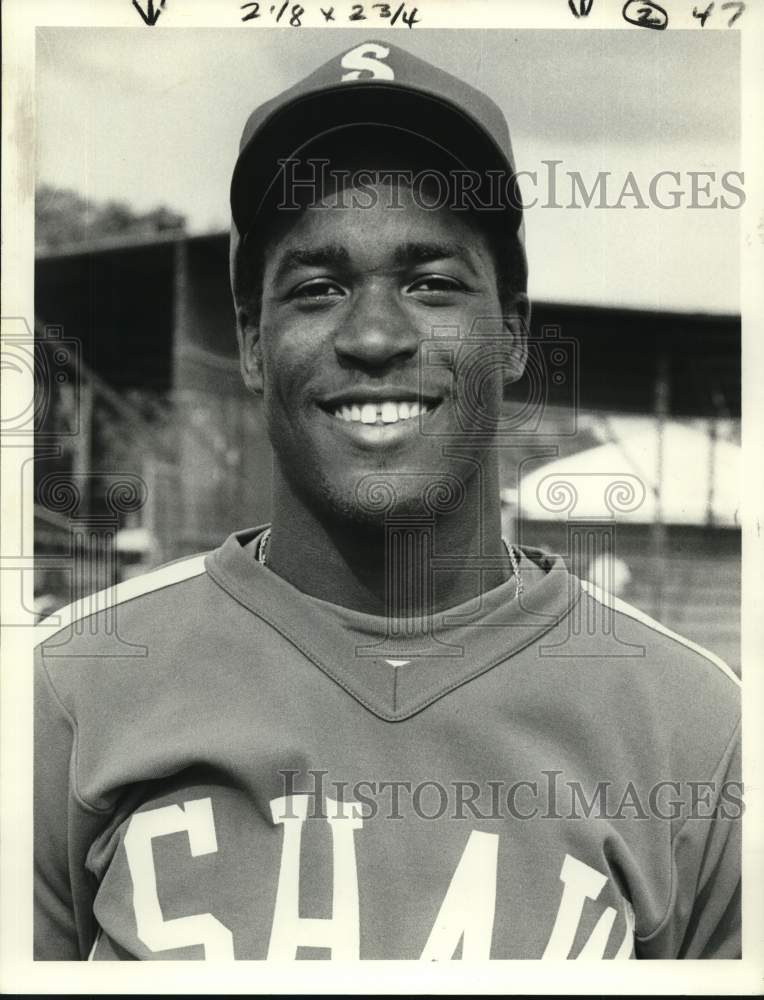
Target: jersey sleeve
x=63, y=921
x=703, y=919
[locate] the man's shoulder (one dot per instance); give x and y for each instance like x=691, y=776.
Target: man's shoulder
x=678, y=695
x=139, y=595
x=614, y=631
x=672, y=650
x=672, y=703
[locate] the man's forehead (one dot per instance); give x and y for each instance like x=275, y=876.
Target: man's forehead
x=293, y=255
x=342, y=234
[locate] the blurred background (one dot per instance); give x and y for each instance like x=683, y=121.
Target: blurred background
x=623, y=440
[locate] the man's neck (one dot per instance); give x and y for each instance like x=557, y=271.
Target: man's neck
x=383, y=569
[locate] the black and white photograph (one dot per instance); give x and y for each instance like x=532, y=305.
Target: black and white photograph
x=382, y=491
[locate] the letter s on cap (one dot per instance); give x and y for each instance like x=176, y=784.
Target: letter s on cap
x=367, y=58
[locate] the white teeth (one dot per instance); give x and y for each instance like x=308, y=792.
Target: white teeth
x=389, y=412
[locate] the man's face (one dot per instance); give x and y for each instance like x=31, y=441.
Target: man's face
x=354, y=300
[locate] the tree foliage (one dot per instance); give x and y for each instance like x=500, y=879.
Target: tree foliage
x=63, y=217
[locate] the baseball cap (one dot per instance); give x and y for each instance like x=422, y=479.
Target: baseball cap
x=374, y=83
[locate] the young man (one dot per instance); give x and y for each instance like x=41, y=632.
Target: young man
x=374, y=728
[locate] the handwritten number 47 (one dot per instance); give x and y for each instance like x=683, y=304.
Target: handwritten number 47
x=703, y=15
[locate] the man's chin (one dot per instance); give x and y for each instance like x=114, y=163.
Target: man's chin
x=378, y=497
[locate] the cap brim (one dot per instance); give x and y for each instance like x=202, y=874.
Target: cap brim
x=292, y=126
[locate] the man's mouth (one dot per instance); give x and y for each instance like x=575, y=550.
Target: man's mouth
x=376, y=412
x=386, y=412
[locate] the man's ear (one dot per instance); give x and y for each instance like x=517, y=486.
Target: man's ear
x=250, y=352
x=517, y=321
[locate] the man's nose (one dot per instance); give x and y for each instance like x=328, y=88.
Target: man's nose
x=376, y=332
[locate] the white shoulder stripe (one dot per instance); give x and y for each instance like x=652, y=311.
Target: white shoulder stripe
x=164, y=576
x=626, y=609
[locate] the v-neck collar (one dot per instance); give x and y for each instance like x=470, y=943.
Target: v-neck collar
x=397, y=668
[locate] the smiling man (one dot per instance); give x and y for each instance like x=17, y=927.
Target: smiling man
x=336, y=317
x=374, y=728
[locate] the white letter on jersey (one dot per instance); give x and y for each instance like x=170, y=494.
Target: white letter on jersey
x=367, y=57
x=468, y=907
x=158, y=934
x=580, y=883
x=340, y=932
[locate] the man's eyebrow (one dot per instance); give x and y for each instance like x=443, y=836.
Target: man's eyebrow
x=336, y=255
x=423, y=252
x=329, y=254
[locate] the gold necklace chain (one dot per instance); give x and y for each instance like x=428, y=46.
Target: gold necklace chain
x=264, y=539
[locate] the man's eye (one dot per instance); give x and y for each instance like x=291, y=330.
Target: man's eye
x=435, y=283
x=317, y=288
